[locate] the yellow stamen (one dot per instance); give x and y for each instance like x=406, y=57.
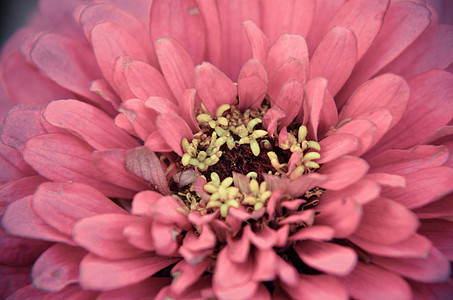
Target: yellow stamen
x=302, y=134
x=222, y=108
x=255, y=147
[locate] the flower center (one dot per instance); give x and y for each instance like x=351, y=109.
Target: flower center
x=233, y=153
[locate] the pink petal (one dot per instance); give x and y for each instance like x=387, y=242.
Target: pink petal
x=95, y=13
x=240, y=214
x=145, y=81
x=238, y=249
x=329, y=115
x=13, y=280
x=61, y=205
x=57, y=267
x=61, y=157
x=12, y=165
x=285, y=47
x=110, y=41
x=364, y=19
x=51, y=51
x=388, y=90
x=17, y=251
x=265, y=265
x=335, y=57
x=161, y=105
x=156, y=143
x=295, y=187
x=139, y=8
x=186, y=109
x=105, y=91
x=213, y=30
x=101, y=274
x=264, y=239
x=324, y=12
x=146, y=288
x=232, y=280
x=432, y=50
x=272, y=203
x=367, y=281
x=185, y=274
x=429, y=108
x=40, y=89
x=271, y=118
x=199, y=220
x=206, y=240
x=141, y=118
x=328, y=257
x=145, y=164
x=262, y=293
x=434, y=268
x=343, y=171
x=112, y=165
x=317, y=287
x=176, y=64
x=289, y=100
x=337, y=145
x=440, y=233
x=118, y=78
x=22, y=122
x=20, y=220
x=258, y=41
x=286, y=272
x=103, y=235
x=385, y=48
x=423, y=187
x=440, y=290
x=17, y=189
x=298, y=17
x=388, y=180
x=342, y=215
x=440, y=135
x=88, y=122
x=214, y=87
x=122, y=121
x=415, y=246
x=382, y=118
x=138, y=234
x=60, y=16
x=363, y=130
x=173, y=129
x=71, y=292
x=305, y=216
x=404, y=162
x=236, y=49
x=252, y=85
x=314, y=233
x=185, y=25
x=439, y=208
x=363, y=191
x=315, y=92
x=164, y=239
x=292, y=69
x=143, y=202
x=193, y=257
x=386, y=222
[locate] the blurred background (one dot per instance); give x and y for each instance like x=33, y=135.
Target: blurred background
x=13, y=14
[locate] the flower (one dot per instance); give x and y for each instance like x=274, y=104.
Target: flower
x=228, y=149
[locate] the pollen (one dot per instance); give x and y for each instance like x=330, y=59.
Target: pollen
x=223, y=195
x=234, y=142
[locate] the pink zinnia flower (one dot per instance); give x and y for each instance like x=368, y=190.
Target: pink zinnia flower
x=228, y=149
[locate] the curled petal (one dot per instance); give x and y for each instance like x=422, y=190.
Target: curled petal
x=145, y=164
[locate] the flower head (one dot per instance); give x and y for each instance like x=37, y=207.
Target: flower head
x=228, y=149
